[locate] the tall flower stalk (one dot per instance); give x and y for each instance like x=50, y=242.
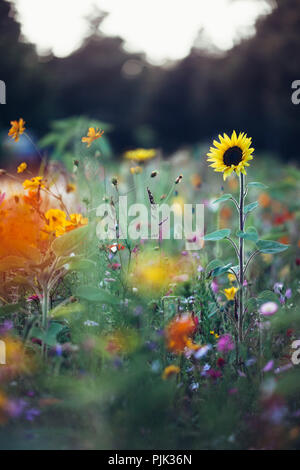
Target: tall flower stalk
x=232, y=155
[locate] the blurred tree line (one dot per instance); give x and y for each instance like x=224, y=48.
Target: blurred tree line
x=192, y=100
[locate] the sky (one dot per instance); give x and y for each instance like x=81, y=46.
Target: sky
x=162, y=29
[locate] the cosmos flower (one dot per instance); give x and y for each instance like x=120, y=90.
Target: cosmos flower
x=57, y=221
x=92, y=135
x=21, y=168
x=225, y=343
x=179, y=332
x=231, y=154
x=35, y=183
x=17, y=129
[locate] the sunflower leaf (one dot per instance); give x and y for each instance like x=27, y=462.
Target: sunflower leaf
x=256, y=184
x=223, y=198
x=269, y=246
x=217, y=235
x=250, y=207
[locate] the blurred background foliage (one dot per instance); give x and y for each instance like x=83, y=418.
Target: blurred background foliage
x=182, y=103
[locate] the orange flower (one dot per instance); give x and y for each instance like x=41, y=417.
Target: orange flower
x=179, y=332
x=264, y=200
x=93, y=134
x=17, y=129
x=57, y=221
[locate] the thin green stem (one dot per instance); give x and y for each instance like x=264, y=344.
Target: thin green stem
x=241, y=259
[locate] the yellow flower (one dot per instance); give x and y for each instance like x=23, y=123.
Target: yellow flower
x=22, y=167
x=212, y=332
x=217, y=336
x=17, y=129
x=135, y=170
x=93, y=134
x=34, y=183
x=231, y=154
x=57, y=221
x=76, y=221
x=230, y=293
x=170, y=371
x=231, y=277
x=140, y=155
x=71, y=187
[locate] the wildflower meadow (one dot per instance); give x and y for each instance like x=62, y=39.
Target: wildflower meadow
x=121, y=334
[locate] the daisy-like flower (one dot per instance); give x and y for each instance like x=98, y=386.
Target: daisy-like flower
x=21, y=168
x=34, y=183
x=17, y=129
x=140, y=155
x=56, y=221
x=92, y=135
x=231, y=154
x=170, y=371
x=76, y=221
x=230, y=293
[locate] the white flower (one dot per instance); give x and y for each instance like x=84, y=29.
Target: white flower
x=269, y=308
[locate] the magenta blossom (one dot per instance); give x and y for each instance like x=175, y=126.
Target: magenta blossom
x=225, y=343
x=268, y=309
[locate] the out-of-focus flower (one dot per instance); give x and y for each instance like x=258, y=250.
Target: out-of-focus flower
x=35, y=183
x=170, y=371
x=221, y=362
x=269, y=366
x=179, y=333
x=71, y=188
x=196, y=181
x=231, y=278
x=33, y=297
x=17, y=129
x=92, y=135
x=268, y=309
x=140, y=155
x=91, y=323
x=116, y=247
x=264, y=200
x=135, y=170
x=214, y=286
x=231, y=154
x=214, y=374
x=17, y=363
x=201, y=352
x=21, y=168
x=230, y=293
x=2, y=197
x=225, y=343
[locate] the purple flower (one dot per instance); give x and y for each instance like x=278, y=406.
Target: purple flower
x=7, y=325
x=225, y=343
x=32, y=413
x=214, y=286
x=269, y=366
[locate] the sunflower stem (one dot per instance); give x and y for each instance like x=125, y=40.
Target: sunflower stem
x=241, y=260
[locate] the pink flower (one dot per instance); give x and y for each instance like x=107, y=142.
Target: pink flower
x=214, y=286
x=268, y=309
x=225, y=344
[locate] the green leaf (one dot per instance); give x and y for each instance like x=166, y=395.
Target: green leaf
x=217, y=235
x=256, y=184
x=250, y=207
x=68, y=242
x=50, y=336
x=267, y=296
x=215, y=263
x=269, y=246
x=67, y=310
x=221, y=270
x=9, y=308
x=223, y=198
x=95, y=294
x=250, y=234
x=81, y=265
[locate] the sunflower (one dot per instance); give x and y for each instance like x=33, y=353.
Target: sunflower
x=231, y=154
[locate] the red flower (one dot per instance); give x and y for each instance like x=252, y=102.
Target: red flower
x=220, y=362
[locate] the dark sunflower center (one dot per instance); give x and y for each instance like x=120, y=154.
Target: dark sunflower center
x=233, y=156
